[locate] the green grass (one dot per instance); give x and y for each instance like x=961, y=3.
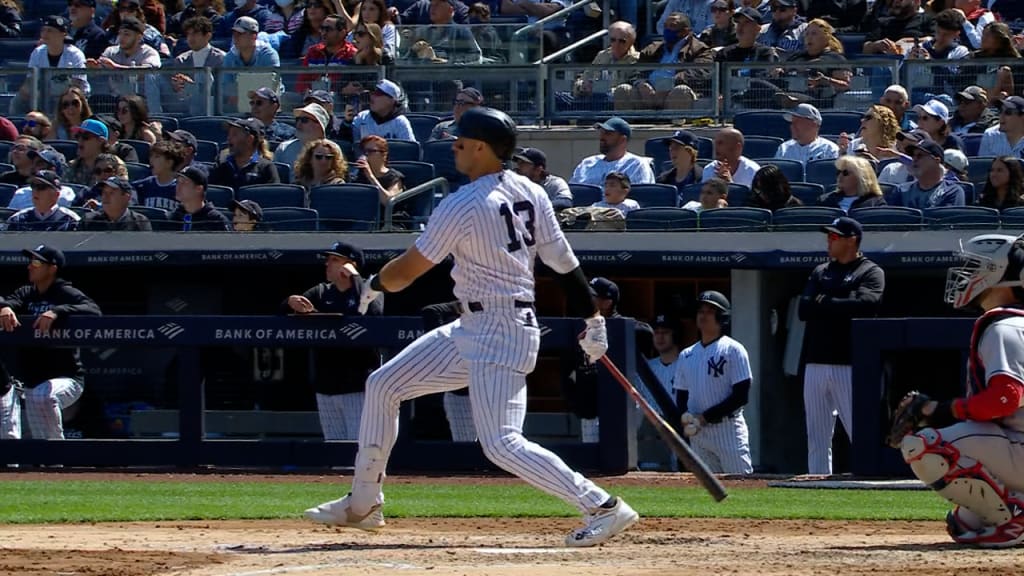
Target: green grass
x=95, y=501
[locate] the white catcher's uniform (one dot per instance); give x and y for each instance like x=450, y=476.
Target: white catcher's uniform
x=708, y=373
x=494, y=227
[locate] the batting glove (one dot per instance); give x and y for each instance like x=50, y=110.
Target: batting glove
x=595, y=339
x=368, y=294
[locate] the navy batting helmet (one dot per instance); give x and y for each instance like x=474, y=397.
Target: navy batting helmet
x=719, y=301
x=491, y=126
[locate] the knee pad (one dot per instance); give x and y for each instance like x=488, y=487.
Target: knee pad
x=959, y=479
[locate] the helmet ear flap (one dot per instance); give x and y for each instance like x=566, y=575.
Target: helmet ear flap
x=1015, y=264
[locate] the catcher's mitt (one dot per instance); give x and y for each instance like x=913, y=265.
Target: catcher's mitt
x=907, y=418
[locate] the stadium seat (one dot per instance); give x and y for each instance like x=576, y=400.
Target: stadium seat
x=291, y=219
x=167, y=122
x=838, y=121
x=404, y=151
x=761, y=123
x=883, y=163
x=69, y=148
x=422, y=125
x=206, y=127
x=657, y=149
x=888, y=217
x=793, y=170
x=274, y=195
x=735, y=219
x=760, y=146
x=439, y=153
x=1012, y=217
x=654, y=195
x=585, y=194
x=738, y=195
x=415, y=173
x=207, y=151
x=141, y=148
x=137, y=171
x=6, y=193
x=158, y=217
x=79, y=189
x=5, y=167
x=690, y=193
x=221, y=196
x=977, y=169
x=807, y=192
x=887, y=190
x=5, y=150
x=853, y=44
x=346, y=206
x=661, y=219
x=346, y=149
x=962, y=217
x=5, y=213
x=284, y=172
x=804, y=217
x=970, y=197
x=822, y=172
x=972, y=143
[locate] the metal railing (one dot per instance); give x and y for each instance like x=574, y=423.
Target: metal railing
x=924, y=78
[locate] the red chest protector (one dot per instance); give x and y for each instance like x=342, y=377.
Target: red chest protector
x=976, y=381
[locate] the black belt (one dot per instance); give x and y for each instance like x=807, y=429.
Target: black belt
x=479, y=307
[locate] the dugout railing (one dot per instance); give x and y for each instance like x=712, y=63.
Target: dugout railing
x=187, y=335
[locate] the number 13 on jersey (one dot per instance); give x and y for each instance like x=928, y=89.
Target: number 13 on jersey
x=524, y=212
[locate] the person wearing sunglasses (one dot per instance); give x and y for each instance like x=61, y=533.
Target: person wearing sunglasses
x=930, y=187
x=86, y=34
x=465, y=99
x=264, y=104
x=722, y=31
x=37, y=125
x=114, y=215
x=373, y=168
x=246, y=9
x=106, y=166
x=72, y=109
x=53, y=376
x=1007, y=137
x=115, y=131
x=311, y=122
x=621, y=51
x=933, y=117
x=320, y=163
x=47, y=210
x=332, y=50
x=92, y=141
x=24, y=166
x=53, y=52
x=848, y=286
x=249, y=161
x=386, y=116
x=856, y=186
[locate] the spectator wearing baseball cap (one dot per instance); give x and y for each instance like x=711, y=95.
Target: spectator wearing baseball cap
x=897, y=173
x=194, y=211
x=87, y=35
x=464, y=100
x=806, y=145
x=933, y=117
x=188, y=144
x=24, y=165
x=115, y=131
x=533, y=163
x=132, y=50
x=973, y=115
x=786, y=29
x=311, y=123
x=613, y=143
x=45, y=212
x=114, y=214
x=92, y=141
x=722, y=31
x=55, y=52
x=248, y=161
x=682, y=151
x=386, y=116
x=930, y=188
x=175, y=21
x=247, y=216
x=956, y=164
x=44, y=159
x=340, y=378
x=247, y=51
x=1007, y=138
x=264, y=104
x=253, y=15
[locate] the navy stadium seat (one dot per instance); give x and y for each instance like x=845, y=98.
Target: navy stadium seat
x=740, y=219
x=977, y=169
x=346, y=206
x=804, y=217
x=822, y=172
x=839, y=121
x=137, y=171
x=962, y=217
x=1012, y=217
x=206, y=127
x=440, y=154
x=585, y=194
x=415, y=173
x=404, y=151
x=69, y=148
x=5, y=213
x=807, y=192
x=654, y=195
x=168, y=123
x=221, y=196
x=422, y=125
x=284, y=172
x=853, y=44
x=793, y=170
x=159, y=218
x=888, y=217
x=760, y=146
x=970, y=197
x=141, y=148
x=6, y=193
x=207, y=151
x=972, y=144
x=274, y=195
x=291, y=219
x=346, y=149
x=661, y=219
x=657, y=149
x=5, y=167
x=5, y=150
x=761, y=123
x=739, y=195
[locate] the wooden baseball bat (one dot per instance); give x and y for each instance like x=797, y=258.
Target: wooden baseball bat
x=681, y=449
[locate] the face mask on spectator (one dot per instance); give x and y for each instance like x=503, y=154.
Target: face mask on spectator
x=283, y=3
x=671, y=37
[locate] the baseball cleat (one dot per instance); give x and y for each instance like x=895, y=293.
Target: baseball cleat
x=603, y=524
x=1006, y=535
x=338, y=513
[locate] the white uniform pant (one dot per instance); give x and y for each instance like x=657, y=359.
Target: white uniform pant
x=43, y=406
x=828, y=389
x=459, y=411
x=491, y=352
x=340, y=414
x=724, y=446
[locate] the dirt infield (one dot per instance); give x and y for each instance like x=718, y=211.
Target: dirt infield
x=491, y=547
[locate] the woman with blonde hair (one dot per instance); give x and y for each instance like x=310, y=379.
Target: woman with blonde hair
x=878, y=130
x=822, y=47
x=856, y=186
x=320, y=162
x=72, y=109
x=106, y=166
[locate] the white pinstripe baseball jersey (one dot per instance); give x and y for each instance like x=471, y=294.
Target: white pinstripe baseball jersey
x=666, y=373
x=708, y=372
x=495, y=226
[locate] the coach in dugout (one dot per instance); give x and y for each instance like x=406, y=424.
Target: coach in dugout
x=848, y=286
x=53, y=377
x=339, y=375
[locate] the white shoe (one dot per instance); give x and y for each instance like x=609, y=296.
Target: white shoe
x=338, y=513
x=603, y=524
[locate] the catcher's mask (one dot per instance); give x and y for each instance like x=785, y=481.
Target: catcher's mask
x=988, y=261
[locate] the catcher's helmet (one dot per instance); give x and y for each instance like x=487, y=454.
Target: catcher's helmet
x=491, y=126
x=719, y=301
x=989, y=260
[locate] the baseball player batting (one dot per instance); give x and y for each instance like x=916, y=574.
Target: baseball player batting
x=494, y=227
x=971, y=449
x=713, y=382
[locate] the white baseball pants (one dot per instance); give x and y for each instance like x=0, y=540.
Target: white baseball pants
x=43, y=406
x=828, y=389
x=459, y=411
x=340, y=415
x=724, y=446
